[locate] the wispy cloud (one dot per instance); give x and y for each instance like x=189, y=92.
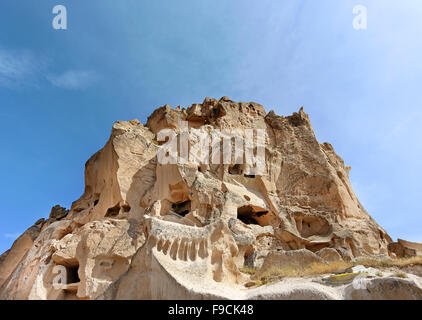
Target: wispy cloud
x=23, y=67
x=17, y=67
x=74, y=79
x=11, y=235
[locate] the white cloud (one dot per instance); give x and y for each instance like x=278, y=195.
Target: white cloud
x=74, y=79
x=17, y=67
x=23, y=67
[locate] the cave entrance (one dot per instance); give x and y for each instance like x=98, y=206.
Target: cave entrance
x=116, y=210
x=251, y=214
x=113, y=212
x=236, y=169
x=312, y=225
x=181, y=208
x=72, y=275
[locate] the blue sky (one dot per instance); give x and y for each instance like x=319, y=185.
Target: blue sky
x=61, y=90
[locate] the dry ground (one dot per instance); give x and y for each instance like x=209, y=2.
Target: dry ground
x=316, y=269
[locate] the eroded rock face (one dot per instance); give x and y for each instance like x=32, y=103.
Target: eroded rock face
x=386, y=289
x=405, y=249
x=329, y=254
x=144, y=224
x=10, y=260
x=294, y=259
x=180, y=262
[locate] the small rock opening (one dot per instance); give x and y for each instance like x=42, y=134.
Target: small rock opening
x=236, y=169
x=316, y=247
x=113, y=211
x=181, y=208
x=96, y=199
x=312, y=225
x=72, y=275
x=202, y=168
x=249, y=175
x=125, y=208
x=250, y=214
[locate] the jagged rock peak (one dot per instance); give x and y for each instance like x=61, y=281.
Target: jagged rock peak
x=245, y=186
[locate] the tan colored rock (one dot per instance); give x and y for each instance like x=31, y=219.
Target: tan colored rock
x=58, y=212
x=10, y=260
x=25, y=282
x=118, y=176
x=388, y=288
x=154, y=217
x=180, y=262
x=256, y=259
x=415, y=269
x=282, y=259
x=100, y=252
x=405, y=249
x=329, y=255
x=91, y=257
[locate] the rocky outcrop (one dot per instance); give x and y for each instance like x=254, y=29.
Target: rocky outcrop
x=58, y=213
x=389, y=288
x=329, y=254
x=294, y=259
x=405, y=249
x=11, y=259
x=180, y=262
x=173, y=209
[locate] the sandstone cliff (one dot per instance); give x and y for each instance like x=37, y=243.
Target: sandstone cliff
x=141, y=225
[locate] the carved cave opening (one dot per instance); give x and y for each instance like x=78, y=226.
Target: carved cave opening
x=115, y=211
x=236, y=169
x=250, y=214
x=72, y=275
x=312, y=225
x=181, y=208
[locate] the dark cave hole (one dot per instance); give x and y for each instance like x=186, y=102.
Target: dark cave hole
x=182, y=208
x=236, y=169
x=72, y=275
x=250, y=215
x=114, y=211
x=249, y=176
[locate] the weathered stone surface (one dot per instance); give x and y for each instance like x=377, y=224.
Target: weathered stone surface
x=180, y=262
x=386, y=289
x=329, y=254
x=145, y=229
x=256, y=259
x=405, y=249
x=58, y=212
x=282, y=259
x=10, y=260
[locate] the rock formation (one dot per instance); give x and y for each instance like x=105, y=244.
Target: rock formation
x=148, y=229
x=405, y=249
